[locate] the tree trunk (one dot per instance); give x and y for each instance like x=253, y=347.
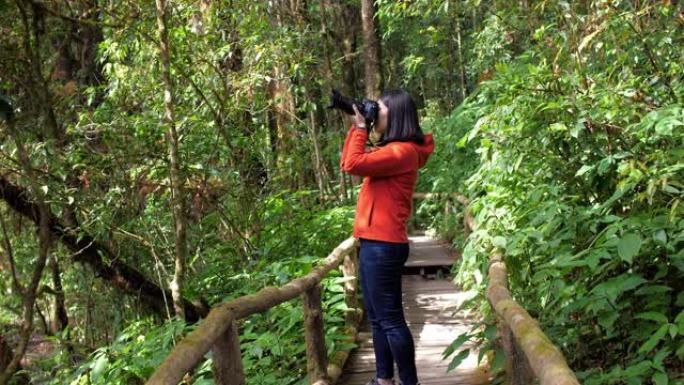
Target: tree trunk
x=6, y=355
x=94, y=253
x=30, y=292
x=59, y=319
x=371, y=50
x=319, y=166
x=451, y=60
x=461, y=61
x=177, y=190
x=344, y=27
x=282, y=109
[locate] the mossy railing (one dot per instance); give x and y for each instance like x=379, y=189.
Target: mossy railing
x=218, y=332
x=529, y=352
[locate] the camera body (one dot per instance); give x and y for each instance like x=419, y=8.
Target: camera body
x=368, y=108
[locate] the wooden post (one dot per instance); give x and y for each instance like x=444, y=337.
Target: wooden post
x=522, y=373
x=350, y=269
x=227, y=358
x=518, y=370
x=316, y=355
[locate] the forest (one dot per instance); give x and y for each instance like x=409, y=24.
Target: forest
x=160, y=158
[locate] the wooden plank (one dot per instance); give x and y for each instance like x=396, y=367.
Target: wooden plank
x=456, y=377
x=426, y=251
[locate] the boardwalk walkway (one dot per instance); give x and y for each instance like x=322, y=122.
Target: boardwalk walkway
x=429, y=304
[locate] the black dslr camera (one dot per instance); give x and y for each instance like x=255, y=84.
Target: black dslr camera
x=367, y=108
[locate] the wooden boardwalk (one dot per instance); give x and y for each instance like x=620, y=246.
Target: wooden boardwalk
x=429, y=305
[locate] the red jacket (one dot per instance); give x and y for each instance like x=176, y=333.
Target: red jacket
x=386, y=196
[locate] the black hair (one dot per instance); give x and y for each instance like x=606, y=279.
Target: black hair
x=402, y=118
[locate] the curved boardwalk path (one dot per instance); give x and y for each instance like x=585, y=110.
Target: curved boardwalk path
x=429, y=304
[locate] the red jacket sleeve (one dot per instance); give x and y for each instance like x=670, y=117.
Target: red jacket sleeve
x=345, y=148
x=391, y=159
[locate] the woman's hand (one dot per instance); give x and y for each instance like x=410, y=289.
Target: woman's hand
x=358, y=119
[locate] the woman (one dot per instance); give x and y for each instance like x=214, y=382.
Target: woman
x=382, y=209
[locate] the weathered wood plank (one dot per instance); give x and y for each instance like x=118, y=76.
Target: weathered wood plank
x=426, y=251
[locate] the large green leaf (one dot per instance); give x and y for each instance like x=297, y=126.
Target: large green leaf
x=654, y=339
x=629, y=246
x=460, y=357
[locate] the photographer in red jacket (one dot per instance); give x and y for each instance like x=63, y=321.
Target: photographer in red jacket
x=382, y=210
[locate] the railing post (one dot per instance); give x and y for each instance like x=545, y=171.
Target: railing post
x=350, y=270
x=228, y=359
x=316, y=355
x=518, y=370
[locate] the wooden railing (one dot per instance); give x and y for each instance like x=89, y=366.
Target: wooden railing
x=449, y=201
x=529, y=352
x=218, y=332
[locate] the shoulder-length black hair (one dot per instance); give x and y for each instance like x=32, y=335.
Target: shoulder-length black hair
x=402, y=118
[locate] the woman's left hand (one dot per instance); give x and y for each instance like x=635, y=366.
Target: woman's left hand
x=358, y=119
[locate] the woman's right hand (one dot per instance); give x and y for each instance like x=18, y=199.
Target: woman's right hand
x=358, y=119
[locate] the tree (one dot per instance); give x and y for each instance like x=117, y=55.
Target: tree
x=371, y=50
x=178, y=196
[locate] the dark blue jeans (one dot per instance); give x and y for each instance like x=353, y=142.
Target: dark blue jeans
x=380, y=269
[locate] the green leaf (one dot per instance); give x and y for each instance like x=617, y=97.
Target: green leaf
x=660, y=378
x=680, y=352
x=460, y=340
x=658, y=359
x=458, y=359
x=679, y=321
x=99, y=367
x=660, y=237
x=629, y=246
x=638, y=369
x=654, y=339
x=607, y=319
x=499, y=358
x=583, y=170
x=673, y=330
x=499, y=241
x=613, y=287
x=653, y=316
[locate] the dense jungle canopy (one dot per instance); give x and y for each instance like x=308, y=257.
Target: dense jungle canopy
x=158, y=158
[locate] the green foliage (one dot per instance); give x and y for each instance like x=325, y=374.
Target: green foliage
x=569, y=144
x=579, y=181
x=130, y=359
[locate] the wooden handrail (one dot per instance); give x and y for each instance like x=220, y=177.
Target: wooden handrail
x=218, y=331
x=431, y=195
x=525, y=343
x=529, y=352
x=520, y=332
x=468, y=220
